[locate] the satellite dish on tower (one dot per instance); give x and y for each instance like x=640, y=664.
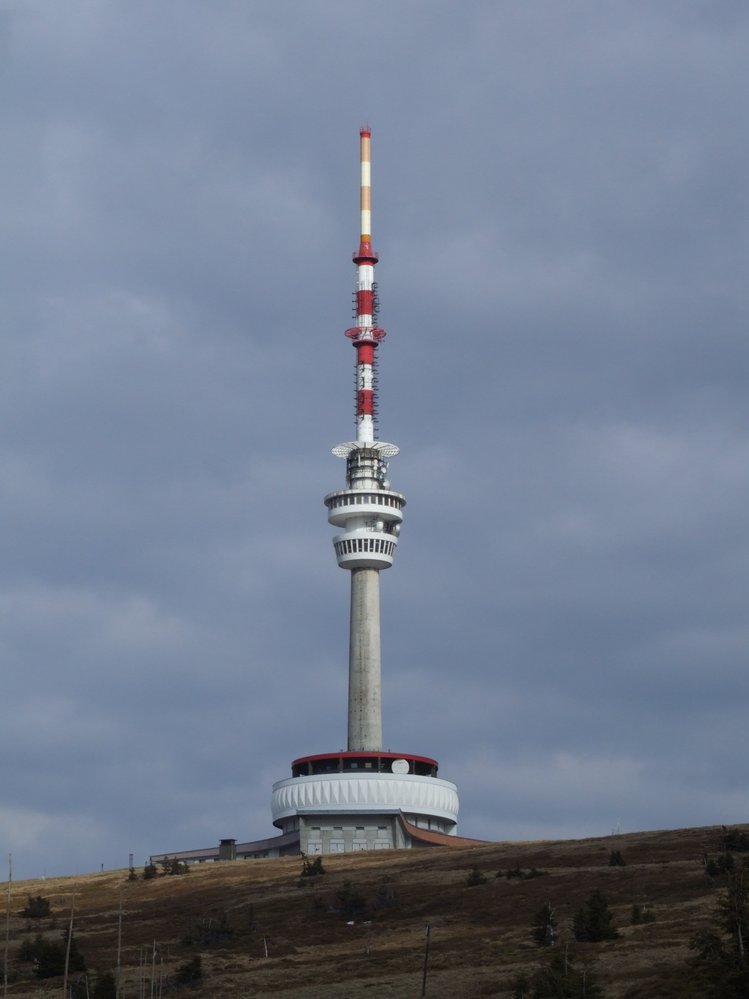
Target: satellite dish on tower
x=399, y=766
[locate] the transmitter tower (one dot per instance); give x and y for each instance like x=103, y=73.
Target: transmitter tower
x=364, y=797
x=369, y=512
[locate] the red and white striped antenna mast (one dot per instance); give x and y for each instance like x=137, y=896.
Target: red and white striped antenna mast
x=366, y=335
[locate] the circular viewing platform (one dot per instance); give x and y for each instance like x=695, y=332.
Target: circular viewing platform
x=346, y=791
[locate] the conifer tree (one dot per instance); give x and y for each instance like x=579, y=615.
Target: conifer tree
x=560, y=979
x=594, y=921
x=544, y=926
x=721, y=957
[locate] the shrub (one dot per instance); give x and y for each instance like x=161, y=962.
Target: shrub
x=474, y=878
x=386, y=896
x=78, y=988
x=190, y=973
x=49, y=957
x=211, y=930
x=519, y=872
x=349, y=902
x=170, y=865
x=106, y=987
x=735, y=839
x=616, y=859
x=721, y=968
x=521, y=987
x=722, y=864
x=37, y=908
x=559, y=978
x=641, y=915
x=312, y=868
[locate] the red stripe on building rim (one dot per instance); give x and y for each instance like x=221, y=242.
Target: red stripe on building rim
x=349, y=754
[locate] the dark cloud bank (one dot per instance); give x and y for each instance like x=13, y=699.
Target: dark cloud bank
x=561, y=215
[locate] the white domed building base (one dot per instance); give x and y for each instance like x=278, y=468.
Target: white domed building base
x=345, y=802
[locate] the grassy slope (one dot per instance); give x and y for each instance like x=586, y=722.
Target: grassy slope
x=479, y=936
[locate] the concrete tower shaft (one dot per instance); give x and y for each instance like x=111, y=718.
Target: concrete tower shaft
x=364, y=680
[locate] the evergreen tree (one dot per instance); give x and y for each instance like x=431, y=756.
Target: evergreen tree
x=190, y=973
x=562, y=979
x=544, y=927
x=49, y=957
x=106, y=987
x=522, y=988
x=734, y=909
x=721, y=957
x=735, y=839
x=594, y=921
x=175, y=866
x=37, y=908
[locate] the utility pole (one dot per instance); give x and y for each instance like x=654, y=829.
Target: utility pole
x=67, y=949
x=7, y=926
x=426, y=961
x=119, y=948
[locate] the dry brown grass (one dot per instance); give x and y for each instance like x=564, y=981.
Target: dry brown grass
x=479, y=936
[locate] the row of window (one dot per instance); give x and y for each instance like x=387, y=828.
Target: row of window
x=425, y=823
x=360, y=830
x=378, y=545
x=331, y=765
x=338, y=846
x=366, y=499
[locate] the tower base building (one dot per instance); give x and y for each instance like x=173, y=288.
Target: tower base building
x=343, y=802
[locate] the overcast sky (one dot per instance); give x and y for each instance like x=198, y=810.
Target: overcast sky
x=560, y=206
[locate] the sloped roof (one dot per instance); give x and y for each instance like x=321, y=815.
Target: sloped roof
x=427, y=836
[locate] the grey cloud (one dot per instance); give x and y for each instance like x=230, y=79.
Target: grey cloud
x=560, y=205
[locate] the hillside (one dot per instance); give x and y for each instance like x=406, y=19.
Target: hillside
x=229, y=913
